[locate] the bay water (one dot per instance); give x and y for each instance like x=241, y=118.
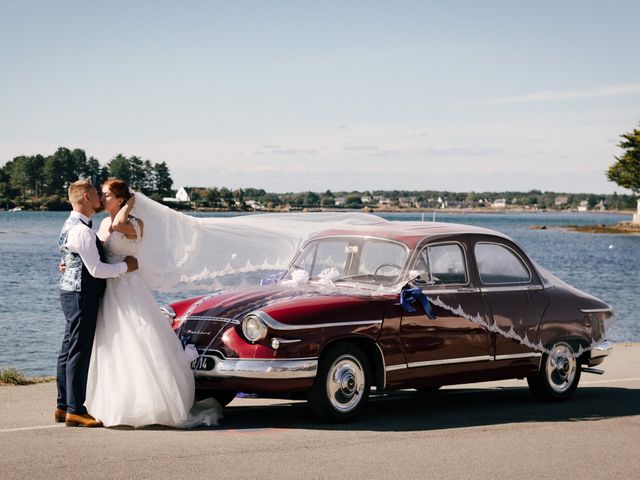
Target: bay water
x=32, y=324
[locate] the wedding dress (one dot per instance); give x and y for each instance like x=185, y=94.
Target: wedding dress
x=139, y=373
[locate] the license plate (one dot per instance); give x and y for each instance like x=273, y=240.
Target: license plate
x=203, y=363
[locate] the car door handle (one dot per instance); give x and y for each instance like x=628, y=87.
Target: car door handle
x=467, y=290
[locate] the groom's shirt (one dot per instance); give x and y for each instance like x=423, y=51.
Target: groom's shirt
x=78, y=240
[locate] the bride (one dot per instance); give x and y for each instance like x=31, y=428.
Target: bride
x=139, y=373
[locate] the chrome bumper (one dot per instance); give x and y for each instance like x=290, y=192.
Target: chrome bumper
x=262, y=369
x=601, y=350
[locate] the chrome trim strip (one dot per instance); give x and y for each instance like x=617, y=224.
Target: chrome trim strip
x=206, y=318
x=602, y=349
x=284, y=341
x=400, y=366
x=512, y=288
x=596, y=310
x=276, y=325
x=518, y=355
x=261, y=368
x=384, y=368
x=428, y=363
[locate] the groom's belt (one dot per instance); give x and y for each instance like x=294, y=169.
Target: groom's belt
x=209, y=366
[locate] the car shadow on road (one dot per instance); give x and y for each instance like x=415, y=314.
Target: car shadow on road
x=449, y=408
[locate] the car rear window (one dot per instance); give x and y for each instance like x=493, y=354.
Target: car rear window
x=498, y=264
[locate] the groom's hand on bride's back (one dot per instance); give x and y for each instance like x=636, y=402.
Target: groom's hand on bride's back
x=132, y=263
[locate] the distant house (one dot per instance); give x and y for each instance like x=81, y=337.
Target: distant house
x=584, y=206
x=254, y=205
x=601, y=207
x=561, y=200
x=499, y=203
x=182, y=195
x=341, y=201
x=406, y=202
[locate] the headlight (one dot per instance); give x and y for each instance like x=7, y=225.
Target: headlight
x=253, y=328
x=168, y=312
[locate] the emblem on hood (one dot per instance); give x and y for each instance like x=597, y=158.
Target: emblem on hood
x=198, y=332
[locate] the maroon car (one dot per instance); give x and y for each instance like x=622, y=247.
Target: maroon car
x=395, y=306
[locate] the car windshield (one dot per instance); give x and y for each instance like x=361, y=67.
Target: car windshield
x=344, y=259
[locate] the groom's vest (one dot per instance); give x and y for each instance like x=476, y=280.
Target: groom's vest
x=76, y=277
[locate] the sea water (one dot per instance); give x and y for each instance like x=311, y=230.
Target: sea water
x=32, y=324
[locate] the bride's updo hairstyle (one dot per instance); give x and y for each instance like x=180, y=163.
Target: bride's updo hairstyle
x=119, y=188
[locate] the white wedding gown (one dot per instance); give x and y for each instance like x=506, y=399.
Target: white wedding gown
x=139, y=373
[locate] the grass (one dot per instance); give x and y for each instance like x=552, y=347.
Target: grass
x=13, y=376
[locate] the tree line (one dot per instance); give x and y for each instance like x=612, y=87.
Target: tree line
x=40, y=182
x=258, y=199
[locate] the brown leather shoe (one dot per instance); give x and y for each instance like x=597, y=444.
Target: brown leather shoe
x=60, y=415
x=84, y=420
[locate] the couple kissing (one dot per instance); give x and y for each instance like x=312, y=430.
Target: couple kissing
x=120, y=362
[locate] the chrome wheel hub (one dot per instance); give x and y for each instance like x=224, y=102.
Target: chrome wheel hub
x=345, y=383
x=561, y=367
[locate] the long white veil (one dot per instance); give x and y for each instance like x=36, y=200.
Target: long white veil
x=179, y=251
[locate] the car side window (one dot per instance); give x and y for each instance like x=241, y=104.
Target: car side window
x=442, y=264
x=498, y=264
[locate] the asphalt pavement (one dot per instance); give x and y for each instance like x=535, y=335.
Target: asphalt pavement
x=480, y=431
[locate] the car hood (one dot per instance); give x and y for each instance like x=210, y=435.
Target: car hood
x=289, y=305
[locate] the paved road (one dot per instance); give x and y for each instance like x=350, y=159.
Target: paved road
x=489, y=430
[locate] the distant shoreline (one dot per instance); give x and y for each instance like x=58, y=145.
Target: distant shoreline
x=430, y=211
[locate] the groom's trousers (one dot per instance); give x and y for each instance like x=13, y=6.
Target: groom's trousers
x=81, y=313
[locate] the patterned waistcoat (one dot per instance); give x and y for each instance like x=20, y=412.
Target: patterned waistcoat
x=76, y=277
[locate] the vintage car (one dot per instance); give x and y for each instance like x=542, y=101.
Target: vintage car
x=395, y=306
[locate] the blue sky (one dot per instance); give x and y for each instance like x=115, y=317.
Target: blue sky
x=348, y=95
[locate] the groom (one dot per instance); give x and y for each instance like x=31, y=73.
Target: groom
x=81, y=287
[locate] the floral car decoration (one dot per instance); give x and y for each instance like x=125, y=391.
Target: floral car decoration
x=399, y=306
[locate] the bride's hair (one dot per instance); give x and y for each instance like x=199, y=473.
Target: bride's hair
x=119, y=188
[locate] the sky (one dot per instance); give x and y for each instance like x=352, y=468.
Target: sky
x=302, y=95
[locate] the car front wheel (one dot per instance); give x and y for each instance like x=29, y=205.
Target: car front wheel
x=342, y=384
x=558, y=376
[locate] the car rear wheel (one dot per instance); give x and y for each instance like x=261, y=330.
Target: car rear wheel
x=342, y=384
x=558, y=376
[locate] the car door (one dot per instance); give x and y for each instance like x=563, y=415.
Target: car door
x=513, y=294
x=450, y=343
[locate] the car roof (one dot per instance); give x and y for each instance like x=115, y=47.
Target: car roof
x=410, y=233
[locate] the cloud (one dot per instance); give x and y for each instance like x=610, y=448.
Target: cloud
x=456, y=151
x=288, y=151
x=360, y=148
x=386, y=153
x=558, y=95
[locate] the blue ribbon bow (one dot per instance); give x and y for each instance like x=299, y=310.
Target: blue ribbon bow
x=408, y=298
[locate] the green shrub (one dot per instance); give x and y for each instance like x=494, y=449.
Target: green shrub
x=13, y=376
